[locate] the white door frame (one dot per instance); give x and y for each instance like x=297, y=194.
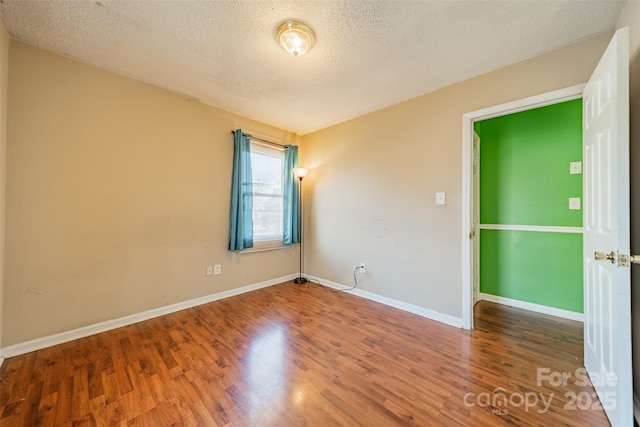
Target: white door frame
x=468, y=119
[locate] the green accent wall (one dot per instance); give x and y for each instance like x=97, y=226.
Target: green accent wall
x=525, y=180
x=524, y=166
x=541, y=268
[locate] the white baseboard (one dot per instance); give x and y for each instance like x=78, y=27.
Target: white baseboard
x=85, y=331
x=1, y=360
x=420, y=311
x=636, y=408
x=552, y=311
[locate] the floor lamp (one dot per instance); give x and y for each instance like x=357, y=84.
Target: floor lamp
x=300, y=173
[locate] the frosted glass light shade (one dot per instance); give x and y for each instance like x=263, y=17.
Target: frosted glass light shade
x=295, y=37
x=300, y=172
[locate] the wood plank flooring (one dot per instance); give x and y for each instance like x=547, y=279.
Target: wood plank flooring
x=303, y=355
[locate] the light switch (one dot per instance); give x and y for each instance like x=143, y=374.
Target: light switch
x=574, y=203
x=575, y=168
x=440, y=198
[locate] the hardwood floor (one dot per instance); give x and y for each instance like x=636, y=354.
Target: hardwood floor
x=292, y=355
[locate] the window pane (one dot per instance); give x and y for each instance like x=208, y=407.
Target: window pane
x=266, y=165
x=267, y=203
x=267, y=174
x=267, y=223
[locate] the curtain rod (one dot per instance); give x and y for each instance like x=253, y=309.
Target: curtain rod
x=266, y=142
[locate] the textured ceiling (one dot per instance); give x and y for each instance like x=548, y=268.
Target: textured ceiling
x=368, y=54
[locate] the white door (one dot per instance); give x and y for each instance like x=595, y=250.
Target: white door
x=607, y=284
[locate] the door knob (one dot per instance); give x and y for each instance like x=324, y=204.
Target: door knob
x=601, y=256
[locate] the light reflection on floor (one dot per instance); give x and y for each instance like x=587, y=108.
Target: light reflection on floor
x=266, y=375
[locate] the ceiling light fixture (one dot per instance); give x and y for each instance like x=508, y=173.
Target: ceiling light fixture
x=295, y=37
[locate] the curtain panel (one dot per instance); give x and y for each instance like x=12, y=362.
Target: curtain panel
x=291, y=196
x=241, y=213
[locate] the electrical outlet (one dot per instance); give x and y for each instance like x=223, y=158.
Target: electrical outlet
x=362, y=268
x=217, y=269
x=209, y=270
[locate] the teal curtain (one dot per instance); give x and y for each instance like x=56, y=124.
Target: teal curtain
x=291, y=195
x=241, y=216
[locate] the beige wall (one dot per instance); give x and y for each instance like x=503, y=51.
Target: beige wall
x=630, y=17
x=117, y=198
x=4, y=71
x=373, y=182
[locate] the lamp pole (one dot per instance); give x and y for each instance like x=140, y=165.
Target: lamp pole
x=300, y=173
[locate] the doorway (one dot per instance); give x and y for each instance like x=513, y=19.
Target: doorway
x=530, y=213
x=469, y=229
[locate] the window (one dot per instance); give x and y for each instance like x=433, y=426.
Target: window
x=267, y=178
